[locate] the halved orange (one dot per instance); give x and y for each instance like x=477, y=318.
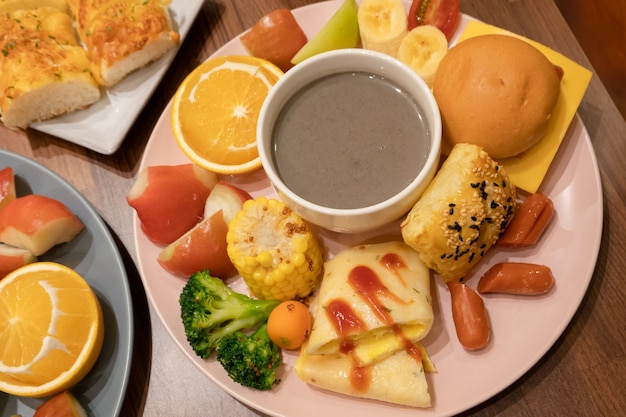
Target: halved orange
x=215, y=112
x=51, y=329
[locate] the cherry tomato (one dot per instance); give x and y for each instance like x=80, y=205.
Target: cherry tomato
x=276, y=37
x=444, y=14
x=289, y=324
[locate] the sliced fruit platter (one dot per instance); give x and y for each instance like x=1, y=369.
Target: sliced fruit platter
x=73, y=267
x=233, y=209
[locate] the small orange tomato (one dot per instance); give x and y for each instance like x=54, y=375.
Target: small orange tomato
x=289, y=324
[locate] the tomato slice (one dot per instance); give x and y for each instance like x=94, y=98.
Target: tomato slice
x=444, y=14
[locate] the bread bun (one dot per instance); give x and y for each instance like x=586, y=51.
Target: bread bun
x=495, y=91
x=461, y=213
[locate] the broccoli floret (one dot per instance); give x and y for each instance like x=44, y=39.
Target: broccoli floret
x=251, y=360
x=210, y=310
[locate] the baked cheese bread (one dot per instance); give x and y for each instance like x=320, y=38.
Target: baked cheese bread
x=43, y=70
x=461, y=213
x=372, y=309
x=122, y=36
x=13, y=5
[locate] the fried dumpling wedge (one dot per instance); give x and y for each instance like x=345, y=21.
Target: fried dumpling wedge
x=398, y=379
x=372, y=308
x=374, y=298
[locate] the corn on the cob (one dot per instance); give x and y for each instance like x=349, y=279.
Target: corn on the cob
x=274, y=250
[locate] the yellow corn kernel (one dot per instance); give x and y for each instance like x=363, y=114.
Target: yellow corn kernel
x=274, y=250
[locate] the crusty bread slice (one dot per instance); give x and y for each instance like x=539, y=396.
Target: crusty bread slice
x=13, y=5
x=122, y=36
x=43, y=71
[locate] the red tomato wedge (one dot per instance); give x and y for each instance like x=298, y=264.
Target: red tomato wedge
x=277, y=37
x=444, y=14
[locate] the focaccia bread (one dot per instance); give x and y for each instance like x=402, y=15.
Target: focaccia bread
x=13, y=5
x=461, y=213
x=43, y=70
x=372, y=309
x=122, y=36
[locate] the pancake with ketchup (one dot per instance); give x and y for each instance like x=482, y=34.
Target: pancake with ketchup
x=373, y=308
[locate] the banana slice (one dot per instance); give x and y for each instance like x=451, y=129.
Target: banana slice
x=422, y=49
x=382, y=25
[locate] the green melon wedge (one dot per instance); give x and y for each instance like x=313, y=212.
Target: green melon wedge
x=341, y=31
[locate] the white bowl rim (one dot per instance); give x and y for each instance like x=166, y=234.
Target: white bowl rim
x=431, y=159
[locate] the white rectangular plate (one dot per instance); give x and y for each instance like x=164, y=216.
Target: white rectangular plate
x=104, y=125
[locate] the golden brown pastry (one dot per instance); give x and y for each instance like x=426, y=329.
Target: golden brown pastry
x=43, y=71
x=122, y=36
x=13, y=5
x=462, y=212
x=496, y=91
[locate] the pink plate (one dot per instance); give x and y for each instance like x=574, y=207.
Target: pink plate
x=523, y=328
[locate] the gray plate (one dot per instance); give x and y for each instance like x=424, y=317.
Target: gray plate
x=94, y=255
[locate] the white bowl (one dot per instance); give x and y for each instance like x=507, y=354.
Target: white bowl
x=378, y=214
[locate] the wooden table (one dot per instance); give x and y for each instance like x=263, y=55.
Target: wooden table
x=582, y=375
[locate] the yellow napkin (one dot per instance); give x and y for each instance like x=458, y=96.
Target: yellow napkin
x=528, y=170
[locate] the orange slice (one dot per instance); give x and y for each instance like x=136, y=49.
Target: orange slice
x=215, y=111
x=51, y=329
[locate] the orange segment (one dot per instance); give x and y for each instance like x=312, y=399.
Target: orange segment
x=215, y=111
x=51, y=329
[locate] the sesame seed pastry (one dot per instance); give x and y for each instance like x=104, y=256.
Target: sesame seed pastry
x=462, y=212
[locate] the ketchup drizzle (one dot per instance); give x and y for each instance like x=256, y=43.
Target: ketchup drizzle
x=346, y=321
